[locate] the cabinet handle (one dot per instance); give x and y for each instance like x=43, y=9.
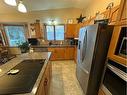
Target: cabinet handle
x=46, y=81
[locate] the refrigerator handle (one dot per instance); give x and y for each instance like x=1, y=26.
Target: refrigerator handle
x=79, y=44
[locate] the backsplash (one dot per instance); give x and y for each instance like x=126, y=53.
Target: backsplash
x=65, y=42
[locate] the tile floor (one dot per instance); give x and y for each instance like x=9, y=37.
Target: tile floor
x=64, y=80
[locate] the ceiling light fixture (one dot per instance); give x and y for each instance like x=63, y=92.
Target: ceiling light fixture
x=11, y=2
x=52, y=22
x=21, y=7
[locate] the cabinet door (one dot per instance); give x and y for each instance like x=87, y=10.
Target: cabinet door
x=106, y=14
x=113, y=46
x=76, y=33
x=53, y=55
x=46, y=80
x=60, y=53
x=122, y=16
x=124, y=13
x=38, y=30
x=69, y=54
x=114, y=13
x=41, y=89
x=70, y=29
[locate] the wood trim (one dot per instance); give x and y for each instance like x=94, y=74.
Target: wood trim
x=113, y=44
x=101, y=92
x=115, y=9
x=122, y=5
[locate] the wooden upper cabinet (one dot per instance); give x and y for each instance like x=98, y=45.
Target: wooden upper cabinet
x=70, y=30
x=113, y=15
x=106, y=14
x=118, y=33
x=122, y=14
x=38, y=30
x=76, y=34
x=115, y=45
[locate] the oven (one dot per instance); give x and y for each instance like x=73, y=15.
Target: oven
x=115, y=79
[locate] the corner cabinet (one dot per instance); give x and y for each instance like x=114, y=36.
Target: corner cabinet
x=57, y=53
x=45, y=82
x=62, y=53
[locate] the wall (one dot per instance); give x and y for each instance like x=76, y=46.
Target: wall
x=60, y=15
x=98, y=5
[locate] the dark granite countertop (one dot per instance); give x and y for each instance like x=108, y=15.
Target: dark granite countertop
x=52, y=46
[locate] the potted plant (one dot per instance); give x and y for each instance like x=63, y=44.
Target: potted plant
x=24, y=47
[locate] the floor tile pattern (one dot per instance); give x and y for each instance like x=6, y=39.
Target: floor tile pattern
x=64, y=81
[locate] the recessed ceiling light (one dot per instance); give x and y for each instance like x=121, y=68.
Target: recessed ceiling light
x=11, y=2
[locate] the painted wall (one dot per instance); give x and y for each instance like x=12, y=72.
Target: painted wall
x=60, y=15
x=98, y=5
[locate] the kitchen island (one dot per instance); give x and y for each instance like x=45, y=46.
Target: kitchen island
x=42, y=82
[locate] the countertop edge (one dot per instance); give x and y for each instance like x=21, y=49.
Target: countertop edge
x=18, y=59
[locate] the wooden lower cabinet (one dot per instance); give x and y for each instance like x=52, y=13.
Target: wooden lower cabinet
x=69, y=53
x=62, y=53
x=45, y=82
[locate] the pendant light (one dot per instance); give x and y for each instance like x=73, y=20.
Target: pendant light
x=11, y=2
x=21, y=7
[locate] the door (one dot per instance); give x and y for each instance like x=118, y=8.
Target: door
x=88, y=47
x=81, y=44
x=69, y=53
x=87, y=39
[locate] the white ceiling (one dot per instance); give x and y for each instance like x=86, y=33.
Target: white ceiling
x=37, y=5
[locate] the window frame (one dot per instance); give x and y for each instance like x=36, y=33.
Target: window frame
x=45, y=35
x=13, y=24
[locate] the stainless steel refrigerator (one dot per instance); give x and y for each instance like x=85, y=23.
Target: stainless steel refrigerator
x=93, y=46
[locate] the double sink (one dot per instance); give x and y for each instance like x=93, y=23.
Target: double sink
x=24, y=80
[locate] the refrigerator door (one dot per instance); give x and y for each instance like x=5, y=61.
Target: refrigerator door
x=87, y=39
x=81, y=42
x=88, y=47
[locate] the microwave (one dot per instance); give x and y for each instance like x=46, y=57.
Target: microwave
x=123, y=48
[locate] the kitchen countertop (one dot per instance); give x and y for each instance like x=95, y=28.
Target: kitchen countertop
x=35, y=55
x=52, y=46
